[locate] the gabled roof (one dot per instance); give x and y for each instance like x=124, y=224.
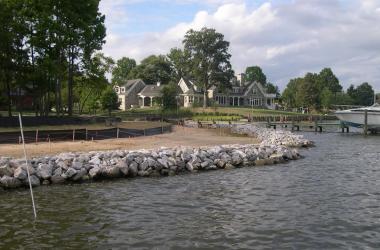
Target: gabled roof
x=129, y=84
x=192, y=88
x=151, y=90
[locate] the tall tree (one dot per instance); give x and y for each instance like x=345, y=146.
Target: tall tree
x=290, y=92
x=122, y=70
x=210, y=59
x=255, y=73
x=307, y=91
x=179, y=62
x=326, y=98
x=84, y=33
x=327, y=79
x=13, y=57
x=153, y=69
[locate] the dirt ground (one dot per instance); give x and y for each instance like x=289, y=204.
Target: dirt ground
x=181, y=136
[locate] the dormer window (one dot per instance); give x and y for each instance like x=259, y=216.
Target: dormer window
x=117, y=89
x=122, y=89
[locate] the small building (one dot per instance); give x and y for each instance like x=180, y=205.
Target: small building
x=128, y=93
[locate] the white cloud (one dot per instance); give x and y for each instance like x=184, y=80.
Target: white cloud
x=286, y=40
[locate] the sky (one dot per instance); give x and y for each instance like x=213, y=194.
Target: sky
x=286, y=38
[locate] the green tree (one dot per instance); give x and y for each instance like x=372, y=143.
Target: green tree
x=210, y=59
x=273, y=89
x=13, y=56
x=93, y=80
x=121, y=71
x=327, y=79
x=109, y=100
x=290, y=93
x=153, y=69
x=169, y=96
x=343, y=99
x=362, y=94
x=84, y=33
x=307, y=91
x=326, y=98
x=179, y=63
x=255, y=73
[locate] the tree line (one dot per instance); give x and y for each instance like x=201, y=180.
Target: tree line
x=47, y=48
x=322, y=90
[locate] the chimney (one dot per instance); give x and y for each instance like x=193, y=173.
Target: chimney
x=158, y=84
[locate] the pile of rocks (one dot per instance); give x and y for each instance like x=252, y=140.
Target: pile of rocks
x=79, y=167
x=269, y=136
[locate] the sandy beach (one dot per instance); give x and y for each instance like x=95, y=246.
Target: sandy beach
x=181, y=136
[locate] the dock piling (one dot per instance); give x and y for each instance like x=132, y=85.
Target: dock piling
x=365, y=122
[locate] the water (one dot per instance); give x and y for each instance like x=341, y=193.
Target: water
x=328, y=200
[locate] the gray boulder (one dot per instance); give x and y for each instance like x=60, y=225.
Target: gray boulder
x=77, y=165
x=236, y=159
x=94, y=172
x=133, y=169
x=20, y=174
x=34, y=180
x=78, y=176
x=6, y=170
x=111, y=172
x=123, y=167
x=70, y=173
x=10, y=182
x=44, y=171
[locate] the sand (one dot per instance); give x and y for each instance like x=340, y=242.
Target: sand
x=181, y=136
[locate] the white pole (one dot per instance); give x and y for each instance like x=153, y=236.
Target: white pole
x=27, y=167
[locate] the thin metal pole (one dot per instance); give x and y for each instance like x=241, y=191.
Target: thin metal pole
x=27, y=167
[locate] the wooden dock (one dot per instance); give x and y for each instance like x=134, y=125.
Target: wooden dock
x=317, y=126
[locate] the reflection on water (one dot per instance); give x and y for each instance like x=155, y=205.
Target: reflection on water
x=329, y=199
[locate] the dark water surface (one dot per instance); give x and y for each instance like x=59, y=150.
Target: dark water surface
x=328, y=200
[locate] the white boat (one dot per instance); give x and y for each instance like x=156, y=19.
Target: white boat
x=355, y=117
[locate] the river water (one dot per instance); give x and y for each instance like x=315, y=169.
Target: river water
x=328, y=200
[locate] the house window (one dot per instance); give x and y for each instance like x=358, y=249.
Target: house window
x=120, y=100
x=191, y=99
x=122, y=89
x=117, y=89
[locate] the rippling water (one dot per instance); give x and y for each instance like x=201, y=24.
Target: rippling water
x=328, y=200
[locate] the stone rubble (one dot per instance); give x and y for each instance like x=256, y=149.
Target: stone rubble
x=87, y=166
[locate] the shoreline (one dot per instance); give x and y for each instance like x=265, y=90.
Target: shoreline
x=193, y=137
x=165, y=161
